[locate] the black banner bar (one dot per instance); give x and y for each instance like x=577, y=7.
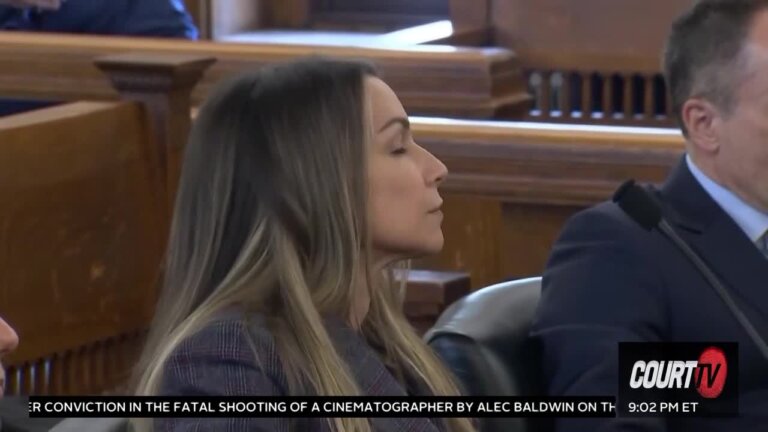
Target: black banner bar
x=473, y=407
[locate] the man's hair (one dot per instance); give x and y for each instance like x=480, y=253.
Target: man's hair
x=704, y=52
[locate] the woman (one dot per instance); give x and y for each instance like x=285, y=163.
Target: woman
x=301, y=189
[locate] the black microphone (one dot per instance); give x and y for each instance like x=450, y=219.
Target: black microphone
x=643, y=208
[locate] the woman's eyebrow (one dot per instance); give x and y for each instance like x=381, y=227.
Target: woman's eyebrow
x=397, y=120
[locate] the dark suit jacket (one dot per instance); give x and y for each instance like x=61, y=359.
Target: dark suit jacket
x=219, y=360
x=608, y=280
x=157, y=18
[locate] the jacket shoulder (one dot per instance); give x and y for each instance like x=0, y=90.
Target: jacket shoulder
x=232, y=344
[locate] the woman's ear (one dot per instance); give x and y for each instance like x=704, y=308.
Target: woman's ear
x=702, y=121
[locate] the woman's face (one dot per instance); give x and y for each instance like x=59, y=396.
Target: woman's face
x=404, y=203
x=8, y=342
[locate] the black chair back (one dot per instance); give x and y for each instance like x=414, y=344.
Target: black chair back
x=483, y=338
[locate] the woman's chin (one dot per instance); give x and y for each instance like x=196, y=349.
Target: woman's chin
x=426, y=248
x=432, y=247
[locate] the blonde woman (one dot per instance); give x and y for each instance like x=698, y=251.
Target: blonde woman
x=301, y=188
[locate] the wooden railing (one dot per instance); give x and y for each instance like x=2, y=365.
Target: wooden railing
x=430, y=80
x=587, y=61
x=512, y=185
x=85, y=216
x=101, y=367
x=620, y=98
x=85, y=223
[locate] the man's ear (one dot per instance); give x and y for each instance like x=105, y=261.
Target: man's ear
x=702, y=119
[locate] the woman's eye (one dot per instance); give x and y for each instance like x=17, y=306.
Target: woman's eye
x=399, y=151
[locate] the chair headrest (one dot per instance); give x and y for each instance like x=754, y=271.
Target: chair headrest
x=501, y=312
x=484, y=339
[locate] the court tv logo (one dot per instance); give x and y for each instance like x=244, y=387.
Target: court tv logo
x=678, y=379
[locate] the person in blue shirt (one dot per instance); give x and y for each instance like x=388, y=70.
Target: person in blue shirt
x=152, y=18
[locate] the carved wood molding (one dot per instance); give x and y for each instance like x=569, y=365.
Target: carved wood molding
x=546, y=163
x=163, y=84
x=430, y=80
x=154, y=73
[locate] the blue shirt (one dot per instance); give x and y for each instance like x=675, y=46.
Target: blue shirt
x=752, y=221
x=154, y=18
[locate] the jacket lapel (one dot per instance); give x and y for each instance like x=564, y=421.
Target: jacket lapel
x=720, y=242
x=374, y=378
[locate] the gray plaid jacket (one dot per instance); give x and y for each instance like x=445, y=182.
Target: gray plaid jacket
x=219, y=361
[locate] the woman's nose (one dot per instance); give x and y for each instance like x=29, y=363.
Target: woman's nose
x=436, y=170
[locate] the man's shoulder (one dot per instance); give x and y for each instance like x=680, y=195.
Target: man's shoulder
x=605, y=219
x=605, y=234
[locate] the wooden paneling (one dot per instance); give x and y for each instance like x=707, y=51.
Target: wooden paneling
x=593, y=49
x=429, y=293
x=163, y=84
x=83, y=225
x=587, y=61
x=470, y=14
x=469, y=222
x=200, y=10
x=444, y=81
x=83, y=237
x=285, y=13
x=530, y=231
x=603, y=35
x=101, y=367
x=544, y=163
x=511, y=186
x=622, y=98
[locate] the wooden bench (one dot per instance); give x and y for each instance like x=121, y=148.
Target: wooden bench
x=429, y=293
x=430, y=80
x=84, y=220
x=512, y=185
x=83, y=229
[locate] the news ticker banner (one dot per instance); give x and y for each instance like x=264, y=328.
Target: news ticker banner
x=359, y=406
x=678, y=379
x=655, y=379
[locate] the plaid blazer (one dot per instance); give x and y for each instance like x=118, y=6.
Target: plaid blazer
x=219, y=361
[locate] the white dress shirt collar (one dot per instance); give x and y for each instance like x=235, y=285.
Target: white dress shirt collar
x=752, y=221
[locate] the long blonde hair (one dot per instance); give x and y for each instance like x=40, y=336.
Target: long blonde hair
x=271, y=215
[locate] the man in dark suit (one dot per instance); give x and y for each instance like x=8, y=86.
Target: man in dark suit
x=608, y=280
